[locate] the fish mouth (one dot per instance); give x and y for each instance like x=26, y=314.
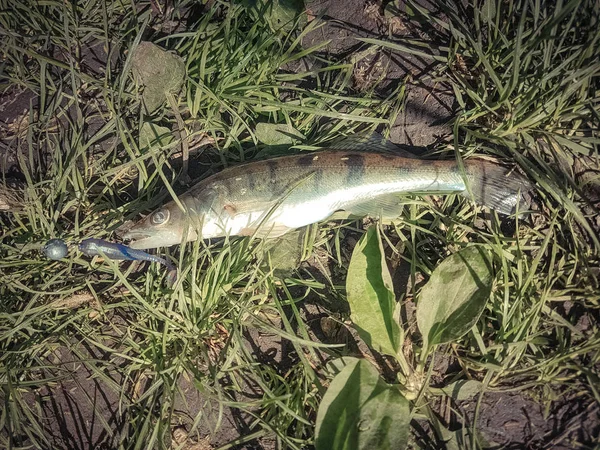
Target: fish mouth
x=139, y=239
x=143, y=238
x=135, y=234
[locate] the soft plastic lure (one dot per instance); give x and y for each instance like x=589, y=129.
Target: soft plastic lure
x=57, y=249
x=112, y=250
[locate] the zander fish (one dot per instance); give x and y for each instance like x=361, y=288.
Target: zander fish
x=271, y=197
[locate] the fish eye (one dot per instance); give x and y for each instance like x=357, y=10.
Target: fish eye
x=160, y=216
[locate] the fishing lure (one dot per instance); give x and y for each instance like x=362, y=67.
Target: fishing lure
x=57, y=249
x=112, y=250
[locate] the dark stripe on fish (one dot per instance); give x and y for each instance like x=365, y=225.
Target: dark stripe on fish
x=251, y=181
x=272, y=171
x=356, y=167
x=306, y=161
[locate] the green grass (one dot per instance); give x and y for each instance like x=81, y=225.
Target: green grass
x=527, y=91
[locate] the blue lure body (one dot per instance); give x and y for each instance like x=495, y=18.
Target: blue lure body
x=112, y=250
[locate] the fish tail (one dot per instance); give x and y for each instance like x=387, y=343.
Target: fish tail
x=498, y=187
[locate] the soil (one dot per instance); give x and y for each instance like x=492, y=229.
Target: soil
x=515, y=420
x=424, y=119
x=75, y=407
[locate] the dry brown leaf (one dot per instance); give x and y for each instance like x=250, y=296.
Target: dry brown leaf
x=11, y=196
x=181, y=440
x=75, y=301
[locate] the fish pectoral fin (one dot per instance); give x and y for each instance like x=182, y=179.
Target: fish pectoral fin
x=271, y=231
x=384, y=207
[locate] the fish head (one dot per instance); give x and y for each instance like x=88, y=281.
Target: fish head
x=163, y=227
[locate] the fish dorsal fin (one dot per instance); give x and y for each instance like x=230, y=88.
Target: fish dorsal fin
x=373, y=142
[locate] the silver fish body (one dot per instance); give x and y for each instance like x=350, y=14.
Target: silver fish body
x=270, y=197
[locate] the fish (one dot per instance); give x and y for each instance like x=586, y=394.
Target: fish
x=113, y=250
x=268, y=198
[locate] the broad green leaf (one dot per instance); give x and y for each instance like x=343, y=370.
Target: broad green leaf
x=277, y=134
x=455, y=296
x=460, y=390
x=361, y=411
x=273, y=151
x=284, y=254
x=335, y=366
x=152, y=135
x=371, y=295
x=157, y=71
x=282, y=14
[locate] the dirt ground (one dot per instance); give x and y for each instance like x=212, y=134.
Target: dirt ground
x=512, y=419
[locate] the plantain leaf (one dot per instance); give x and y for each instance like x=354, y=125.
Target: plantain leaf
x=155, y=136
x=284, y=254
x=455, y=296
x=371, y=295
x=460, y=390
x=361, y=411
x=157, y=72
x=282, y=14
x=277, y=134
